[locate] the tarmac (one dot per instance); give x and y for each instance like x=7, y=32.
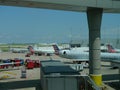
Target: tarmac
x=13, y=76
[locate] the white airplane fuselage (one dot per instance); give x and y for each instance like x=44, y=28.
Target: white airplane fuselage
x=43, y=50
x=19, y=50
x=84, y=56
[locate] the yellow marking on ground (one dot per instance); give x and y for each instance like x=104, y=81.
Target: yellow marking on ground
x=4, y=77
x=10, y=73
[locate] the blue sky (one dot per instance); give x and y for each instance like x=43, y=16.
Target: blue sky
x=34, y=25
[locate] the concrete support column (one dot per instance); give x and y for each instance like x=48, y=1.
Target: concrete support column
x=94, y=16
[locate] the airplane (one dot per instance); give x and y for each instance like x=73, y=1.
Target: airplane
x=80, y=55
x=40, y=50
x=18, y=50
x=111, y=49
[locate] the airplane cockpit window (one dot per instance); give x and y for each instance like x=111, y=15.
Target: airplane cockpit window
x=64, y=52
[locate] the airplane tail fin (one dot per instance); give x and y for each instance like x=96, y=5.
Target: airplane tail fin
x=31, y=50
x=56, y=48
x=110, y=49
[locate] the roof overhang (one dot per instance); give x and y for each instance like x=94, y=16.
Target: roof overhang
x=109, y=6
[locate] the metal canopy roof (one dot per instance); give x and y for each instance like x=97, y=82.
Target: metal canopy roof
x=55, y=66
x=62, y=70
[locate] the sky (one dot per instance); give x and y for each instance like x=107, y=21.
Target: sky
x=35, y=25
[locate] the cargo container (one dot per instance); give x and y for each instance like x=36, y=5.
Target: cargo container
x=17, y=62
